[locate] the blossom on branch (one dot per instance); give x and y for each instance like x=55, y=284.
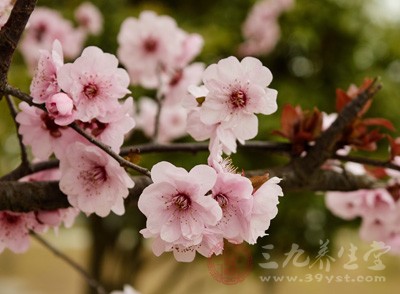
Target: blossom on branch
x=152, y=45
x=44, y=27
x=93, y=181
x=94, y=82
x=235, y=91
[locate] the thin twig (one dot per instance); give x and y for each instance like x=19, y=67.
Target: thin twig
x=10, y=34
x=13, y=111
x=90, y=280
x=122, y=161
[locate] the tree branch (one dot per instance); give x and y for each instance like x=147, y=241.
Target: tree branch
x=325, y=146
x=10, y=34
x=33, y=196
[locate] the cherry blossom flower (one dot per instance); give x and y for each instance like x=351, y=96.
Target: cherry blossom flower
x=45, y=26
x=266, y=199
x=261, y=30
x=211, y=243
x=175, y=205
x=14, y=230
x=94, y=82
x=233, y=193
x=93, y=181
x=39, y=131
x=89, y=18
x=152, y=44
x=175, y=88
x=237, y=90
x=61, y=107
x=234, y=92
x=44, y=83
x=112, y=127
x=349, y=205
x=221, y=135
x=127, y=290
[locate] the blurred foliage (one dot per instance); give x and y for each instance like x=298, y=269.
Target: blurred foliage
x=324, y=45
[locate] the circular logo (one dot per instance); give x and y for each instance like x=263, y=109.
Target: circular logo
x=233, y=265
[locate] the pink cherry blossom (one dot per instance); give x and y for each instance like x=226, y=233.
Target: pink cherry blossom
x=175, y=88
x=45, y=26
x=151, y=44
x=237, y=91
x=365, y=203
x=266, y=199
x=346, y=205
x=233, y=193
x=93, y=181
x=261, y=30
x=112, y=127
x=89, y=18
x=211, y=243
x=14, y=230
x=39, y=131
x=61, y=107
x=176, y=205
x=54, y=218
x=94, y=82
x=44, y=83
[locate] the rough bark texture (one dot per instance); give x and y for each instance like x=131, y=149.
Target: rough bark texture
x=10, y=35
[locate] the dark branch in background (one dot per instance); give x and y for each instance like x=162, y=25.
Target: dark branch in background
x=10, y=34
x=47, y=195
x=307, y=167
x=90, y=280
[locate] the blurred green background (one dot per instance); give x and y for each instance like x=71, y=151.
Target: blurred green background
x=325, y=44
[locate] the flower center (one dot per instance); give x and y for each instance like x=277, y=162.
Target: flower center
x=90, y=90
x=40, y=31
x=95, y=176
x=182, y=201
x=10, y=218
x=50, y=125
x=176, y=78
x=94, y=126
x=150, y=45
x=222, y=200
x=238, y=99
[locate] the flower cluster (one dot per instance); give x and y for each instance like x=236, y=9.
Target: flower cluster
x=189, y=212
x=379, y=208
x=46, y=25
x=261, y=30
x=87, y=92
